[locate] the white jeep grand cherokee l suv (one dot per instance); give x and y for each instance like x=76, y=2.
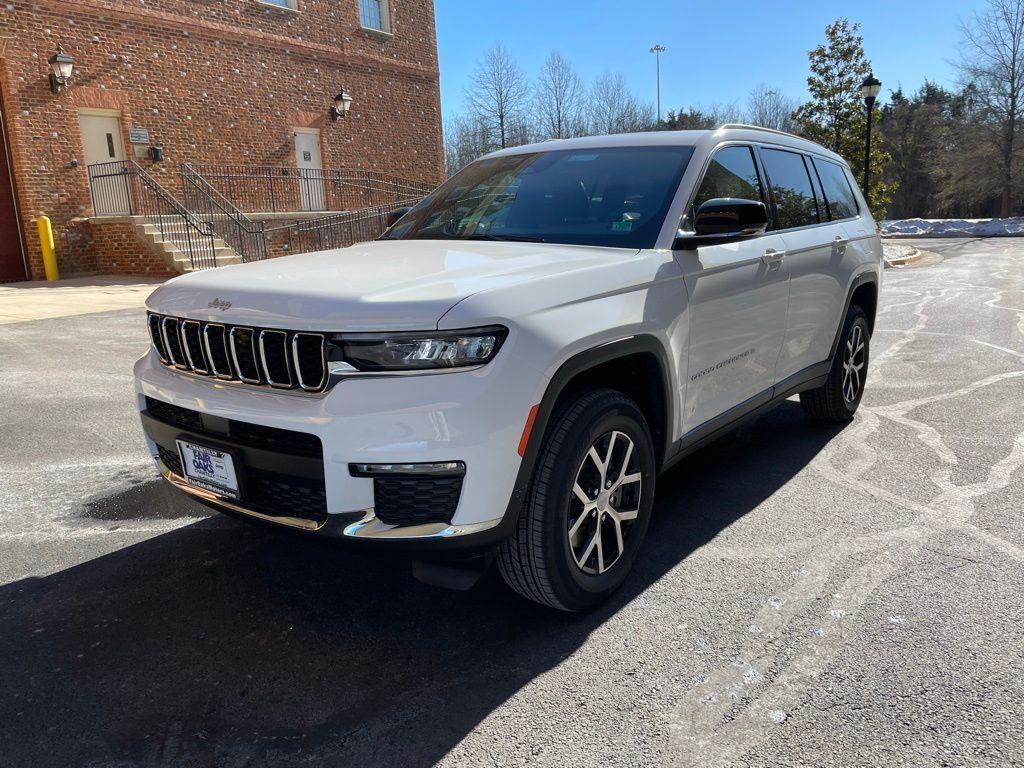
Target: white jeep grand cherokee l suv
x=504, y=373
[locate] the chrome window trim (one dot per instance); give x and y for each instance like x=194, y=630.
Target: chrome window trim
x=298, y=368
x=188, y=353
x=229, y=376
x=263, y=359
x=234, y=355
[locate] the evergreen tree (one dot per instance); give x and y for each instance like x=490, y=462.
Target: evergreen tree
x=835, y=115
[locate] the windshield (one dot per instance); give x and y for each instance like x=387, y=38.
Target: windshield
x=611, y=197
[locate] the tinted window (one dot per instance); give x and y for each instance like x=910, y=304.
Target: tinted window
x=605, y=196
x=791, y=188
x=838, y=194
x=731, y=173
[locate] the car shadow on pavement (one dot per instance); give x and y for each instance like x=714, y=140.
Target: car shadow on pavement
x=223, y=644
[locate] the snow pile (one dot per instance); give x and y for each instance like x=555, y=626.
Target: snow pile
x=953, y=227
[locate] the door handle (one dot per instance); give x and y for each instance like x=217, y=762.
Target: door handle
x=840, y=242
x=771, y=256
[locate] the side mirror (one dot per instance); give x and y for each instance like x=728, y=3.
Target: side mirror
x=396, y=214
x=723, y=219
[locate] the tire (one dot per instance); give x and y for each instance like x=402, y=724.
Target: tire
x=831, y=402
x=547, y=562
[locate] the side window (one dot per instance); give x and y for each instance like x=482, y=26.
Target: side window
x=732, y=172
x=791, y=188
x=841, y=201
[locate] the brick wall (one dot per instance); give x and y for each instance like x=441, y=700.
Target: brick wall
x=222, y=82
x=119, y=251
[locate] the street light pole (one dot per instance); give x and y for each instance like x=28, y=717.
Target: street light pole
x=657, y=50
x=869, y=90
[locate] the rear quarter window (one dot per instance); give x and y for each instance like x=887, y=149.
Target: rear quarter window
x=842, y=204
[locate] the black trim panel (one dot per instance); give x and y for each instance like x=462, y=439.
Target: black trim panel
x=809, y=378
x=867, y=276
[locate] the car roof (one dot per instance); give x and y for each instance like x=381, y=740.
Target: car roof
x=705, y=139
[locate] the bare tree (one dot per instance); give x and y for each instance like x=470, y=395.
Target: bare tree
x=465, y=139
x=770, y=109
x=498, y=96
x=560, y=99
x=614, y=109
x=992, y=64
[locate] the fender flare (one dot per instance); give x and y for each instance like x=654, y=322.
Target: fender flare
x=861, y=278
x=566, y=372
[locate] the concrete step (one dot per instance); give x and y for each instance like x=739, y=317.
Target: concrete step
x=174, y=253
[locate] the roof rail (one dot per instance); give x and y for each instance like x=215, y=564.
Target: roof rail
x=747, y=127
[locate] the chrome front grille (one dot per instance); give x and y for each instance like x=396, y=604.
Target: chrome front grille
x=258, y=356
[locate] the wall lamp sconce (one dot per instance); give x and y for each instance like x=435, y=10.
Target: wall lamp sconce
x=61, y=68
x=342, y=104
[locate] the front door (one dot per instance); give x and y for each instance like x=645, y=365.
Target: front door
x=102, y=145
x=12, y=256
x=738, y=299
x=311, y=169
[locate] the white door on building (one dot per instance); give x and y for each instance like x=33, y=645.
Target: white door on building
x=311, y=169
x=102, y=144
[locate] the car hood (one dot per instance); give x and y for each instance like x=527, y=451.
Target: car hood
x=382, y=285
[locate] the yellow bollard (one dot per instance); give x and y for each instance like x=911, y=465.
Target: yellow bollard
x=49, y=255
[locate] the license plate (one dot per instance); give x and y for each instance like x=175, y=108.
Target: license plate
x=209, y=469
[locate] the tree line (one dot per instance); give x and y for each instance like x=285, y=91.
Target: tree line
x=940, y=151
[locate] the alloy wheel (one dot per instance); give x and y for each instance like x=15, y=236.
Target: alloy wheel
x=605, y=502
x=853, y=363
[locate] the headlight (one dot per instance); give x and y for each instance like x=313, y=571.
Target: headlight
x=416, y=351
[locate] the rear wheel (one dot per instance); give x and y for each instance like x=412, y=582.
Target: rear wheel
x=588, y=505
x=837, y=399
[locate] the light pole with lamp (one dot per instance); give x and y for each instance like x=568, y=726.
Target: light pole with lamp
x=869, y=90
x=657, y=50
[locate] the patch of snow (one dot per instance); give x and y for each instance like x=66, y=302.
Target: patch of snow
x=953, y=227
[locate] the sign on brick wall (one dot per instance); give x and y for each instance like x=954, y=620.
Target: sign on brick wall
x=138, y=135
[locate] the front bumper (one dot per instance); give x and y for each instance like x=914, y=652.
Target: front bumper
x=459, y=416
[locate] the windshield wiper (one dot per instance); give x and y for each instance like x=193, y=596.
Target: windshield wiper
x=508, y=238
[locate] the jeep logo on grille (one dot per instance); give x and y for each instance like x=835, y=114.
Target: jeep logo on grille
x=220, y=304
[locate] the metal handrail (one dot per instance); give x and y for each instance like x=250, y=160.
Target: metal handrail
x=287, y=189
x=123, y=187
x=339, y=230
x=232, y=225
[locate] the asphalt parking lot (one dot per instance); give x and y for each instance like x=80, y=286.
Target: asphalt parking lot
x=806, y=595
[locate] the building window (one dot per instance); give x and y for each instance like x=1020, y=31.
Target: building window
x=373, y=14
x=292, y=4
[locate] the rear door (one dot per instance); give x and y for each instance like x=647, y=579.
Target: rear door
x=738, y=294
x=813, y=244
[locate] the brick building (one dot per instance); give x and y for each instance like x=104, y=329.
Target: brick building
x=249, y=83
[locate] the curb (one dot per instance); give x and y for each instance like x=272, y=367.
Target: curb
x=903, y=259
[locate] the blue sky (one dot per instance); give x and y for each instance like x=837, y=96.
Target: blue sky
x=717, y=51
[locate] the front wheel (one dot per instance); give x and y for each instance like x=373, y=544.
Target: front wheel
x=837, y=399
x=588, y=505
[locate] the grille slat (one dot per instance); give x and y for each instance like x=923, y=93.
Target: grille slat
x=295, y=360
x=157, y=337
x=216, y=338
x=192, y=343
x=243, y=354
x=274, y=357
x=309, y=360
x=172, y=342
